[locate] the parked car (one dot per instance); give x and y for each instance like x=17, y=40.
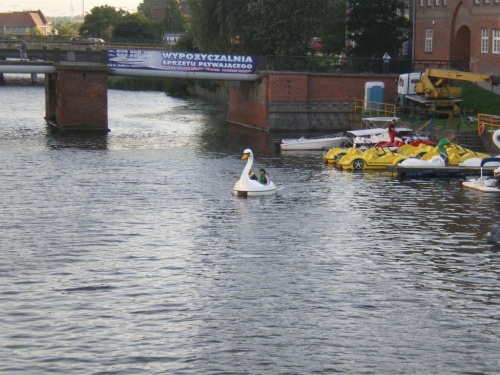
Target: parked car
x=96, y=41
x=76, y=39
x=86, y=40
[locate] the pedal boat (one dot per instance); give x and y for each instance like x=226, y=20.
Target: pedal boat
x=246, y=187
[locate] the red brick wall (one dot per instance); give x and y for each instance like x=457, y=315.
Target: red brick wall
x=446, y=21
x=82, y=99
x=326, y=87
x=249, y=102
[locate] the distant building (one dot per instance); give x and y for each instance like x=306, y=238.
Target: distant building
x=172, y=37
x=155, y=9
x=20, y=23
x=468, y=31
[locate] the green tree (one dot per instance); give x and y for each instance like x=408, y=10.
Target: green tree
x=332, y=24
x=35, y=31
x=67, y=28
x=101, y=21
x=260, y=27
x=136, y=26
x=377, y=27
x=174, y=19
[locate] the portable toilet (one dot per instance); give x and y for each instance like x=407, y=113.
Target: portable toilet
x=374, y=95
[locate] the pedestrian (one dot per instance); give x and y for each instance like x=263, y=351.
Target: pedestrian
x=23, y=48
x=386, y=59
x=393, y=134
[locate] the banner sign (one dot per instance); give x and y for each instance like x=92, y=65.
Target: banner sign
x=181, y=61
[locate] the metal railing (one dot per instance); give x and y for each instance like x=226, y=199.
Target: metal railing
x=485, y=121
x=353, y=65
x=374, y=109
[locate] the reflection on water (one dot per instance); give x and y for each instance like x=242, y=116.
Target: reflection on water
x=126, y=253
x=85, y=141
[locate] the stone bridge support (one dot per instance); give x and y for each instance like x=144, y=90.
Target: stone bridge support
x=76, y=97
x=302, y=101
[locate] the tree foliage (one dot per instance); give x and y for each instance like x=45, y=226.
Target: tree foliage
x=67, y=28
x=174, y=18
x=136, y=26
x=376, y=27
x=259, y=27
x=101, y=21
x=332, y=25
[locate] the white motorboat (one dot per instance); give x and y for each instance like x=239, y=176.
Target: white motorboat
x=365, y=138
x=377, y=122
x=324, y=142
x=246, y=187
x=485, y=183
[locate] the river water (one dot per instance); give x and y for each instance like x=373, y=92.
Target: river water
x=126, y=253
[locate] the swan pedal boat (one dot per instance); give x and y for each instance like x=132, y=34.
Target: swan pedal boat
x=311, y=144
x=246, y=187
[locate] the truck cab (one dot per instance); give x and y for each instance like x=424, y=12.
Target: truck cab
x=406, y=86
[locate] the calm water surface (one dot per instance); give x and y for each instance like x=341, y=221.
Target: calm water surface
x=127, y=254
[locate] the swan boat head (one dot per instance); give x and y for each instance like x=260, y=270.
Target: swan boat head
x=496, y=138
x=246, y=187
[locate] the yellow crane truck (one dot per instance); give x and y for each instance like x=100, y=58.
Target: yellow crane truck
x=437, y=89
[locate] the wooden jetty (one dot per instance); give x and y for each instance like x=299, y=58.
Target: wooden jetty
x=421, y=172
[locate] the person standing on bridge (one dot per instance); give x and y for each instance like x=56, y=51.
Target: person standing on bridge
x=387, y=59
x=23, y=48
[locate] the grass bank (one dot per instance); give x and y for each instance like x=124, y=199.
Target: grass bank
x=479, y=99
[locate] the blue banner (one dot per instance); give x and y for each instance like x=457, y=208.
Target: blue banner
x=181, y=61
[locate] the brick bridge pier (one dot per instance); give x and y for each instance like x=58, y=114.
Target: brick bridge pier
x=302, y=101
x=76, y=97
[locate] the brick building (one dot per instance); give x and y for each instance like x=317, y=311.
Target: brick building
x=466, y=30
x=20, y=23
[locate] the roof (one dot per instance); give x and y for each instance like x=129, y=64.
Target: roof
x=27, y=19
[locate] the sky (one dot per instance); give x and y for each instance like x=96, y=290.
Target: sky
x=65, y=8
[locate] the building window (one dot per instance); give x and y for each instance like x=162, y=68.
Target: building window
x=438, y=3
x=422, y=3
x=476, y=1
x=495, y=45
x=429, y=3
x=406, y=48
x=445, y=2
x=428, y=40
x=484, y=40
x=486, y=1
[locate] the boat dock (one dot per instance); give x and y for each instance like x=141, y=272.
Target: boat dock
x=416, y=172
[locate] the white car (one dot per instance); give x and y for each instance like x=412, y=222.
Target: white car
x=96, y=41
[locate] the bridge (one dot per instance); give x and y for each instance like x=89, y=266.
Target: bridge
x=270, y=92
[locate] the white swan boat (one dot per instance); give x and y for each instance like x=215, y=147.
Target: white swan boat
x=436, y=161
x=309, y=144
x=246, y=187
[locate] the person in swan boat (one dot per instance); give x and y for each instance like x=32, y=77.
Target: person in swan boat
x=263, y=178
x=252, y=176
